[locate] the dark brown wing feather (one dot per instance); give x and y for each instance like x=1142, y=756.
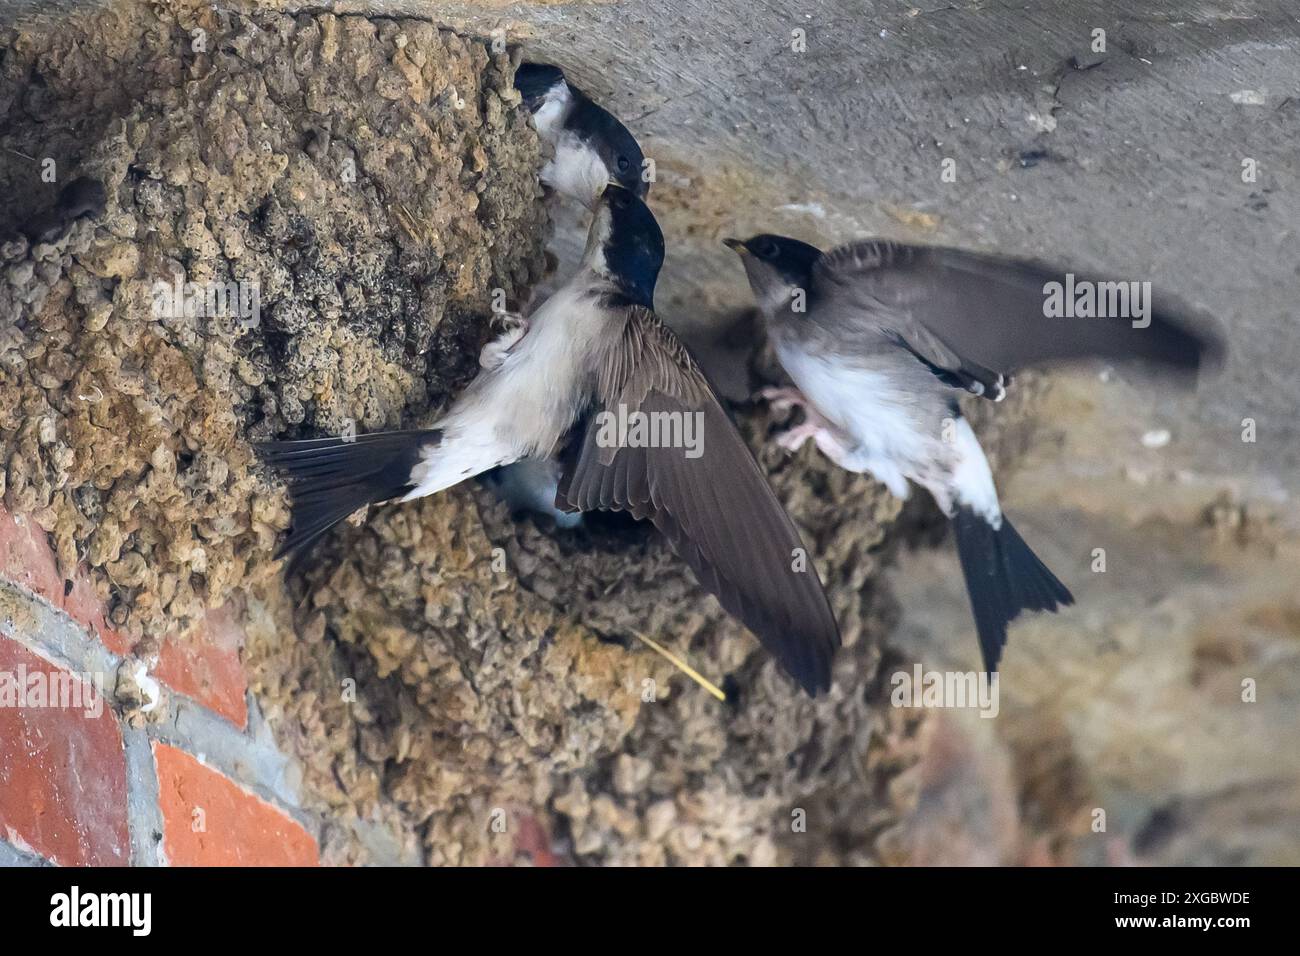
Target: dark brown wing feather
x=959, y=309
x=717, y=510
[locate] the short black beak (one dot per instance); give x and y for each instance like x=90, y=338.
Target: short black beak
x=736, y=245
x=640, y=189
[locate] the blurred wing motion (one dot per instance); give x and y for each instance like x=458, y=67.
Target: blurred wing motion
x=716, y=509
x=980, y=316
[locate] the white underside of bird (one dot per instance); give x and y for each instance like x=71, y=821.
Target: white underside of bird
x=874, y=429
x=525, y=405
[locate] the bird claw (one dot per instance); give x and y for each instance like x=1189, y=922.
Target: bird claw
x=509, y=327
x=509, y=324
x=782, y=399
x=831, y=441
x=792, y=439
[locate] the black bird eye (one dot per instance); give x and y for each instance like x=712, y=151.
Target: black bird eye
x=768, y=250
x=623, y=164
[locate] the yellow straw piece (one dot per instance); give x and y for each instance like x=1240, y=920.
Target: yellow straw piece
x=410, y=225
x=684, y=667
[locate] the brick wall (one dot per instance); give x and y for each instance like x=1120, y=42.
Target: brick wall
x=170, y=766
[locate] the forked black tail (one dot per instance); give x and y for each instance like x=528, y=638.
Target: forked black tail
x=1003, y=578
x=329, y=478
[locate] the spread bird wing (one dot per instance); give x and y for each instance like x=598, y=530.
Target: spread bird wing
x=710, y=499
x=979, y=317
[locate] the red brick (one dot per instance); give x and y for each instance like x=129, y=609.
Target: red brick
x=27, y=559
x=206, y=666
x=62, y=776
x=238, y=828
x=85, y=606
x=533, y=841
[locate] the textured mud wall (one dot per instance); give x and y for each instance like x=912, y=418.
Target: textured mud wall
x=279, y=158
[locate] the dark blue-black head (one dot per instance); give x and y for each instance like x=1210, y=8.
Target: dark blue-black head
x=535, y=80
x=777, y=266
x=610, y=139
x=626, y=244
x=599, y=148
